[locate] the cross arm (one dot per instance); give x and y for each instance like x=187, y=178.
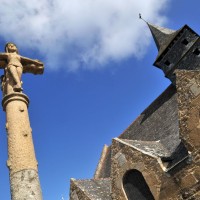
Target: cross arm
x=32, y=66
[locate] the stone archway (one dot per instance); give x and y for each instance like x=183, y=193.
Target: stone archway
x=135, y=186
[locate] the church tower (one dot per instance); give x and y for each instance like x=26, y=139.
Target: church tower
x=176, y=49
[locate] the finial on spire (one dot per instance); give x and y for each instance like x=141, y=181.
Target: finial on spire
x=140, y=17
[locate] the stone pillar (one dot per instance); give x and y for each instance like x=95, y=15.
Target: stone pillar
x=22, y=163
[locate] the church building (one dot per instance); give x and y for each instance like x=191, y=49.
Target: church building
x=157, y=157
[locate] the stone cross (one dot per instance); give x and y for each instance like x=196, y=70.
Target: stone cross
x=22, y=163
x=14, y=65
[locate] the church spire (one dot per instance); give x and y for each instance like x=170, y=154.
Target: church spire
x=162, y=36
x=176, y=49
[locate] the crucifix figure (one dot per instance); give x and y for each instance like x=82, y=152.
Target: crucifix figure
x=14, y=65
x=22, y=163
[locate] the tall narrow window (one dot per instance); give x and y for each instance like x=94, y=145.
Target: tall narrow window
x=136, y=187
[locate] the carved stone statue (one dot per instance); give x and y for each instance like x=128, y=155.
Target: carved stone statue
x=14, y=65
x=22, y=162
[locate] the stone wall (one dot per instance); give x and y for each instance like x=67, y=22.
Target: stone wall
x=188, y=90
x=125, y=158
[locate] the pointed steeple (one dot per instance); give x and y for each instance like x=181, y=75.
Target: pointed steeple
x=162, y=36
x=174, y=48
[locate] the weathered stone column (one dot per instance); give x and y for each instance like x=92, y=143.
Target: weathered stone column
x=22, y=163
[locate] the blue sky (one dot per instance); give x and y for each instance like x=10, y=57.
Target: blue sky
x=98, y=77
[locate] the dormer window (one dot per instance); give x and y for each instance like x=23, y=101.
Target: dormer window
x=196, y=51
x=185, y=42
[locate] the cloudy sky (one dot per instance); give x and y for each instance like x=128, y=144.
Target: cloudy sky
x=98, y=76
x=91, y=28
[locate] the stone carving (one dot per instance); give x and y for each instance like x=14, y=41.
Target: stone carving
x=14, y=65
x=22, y=162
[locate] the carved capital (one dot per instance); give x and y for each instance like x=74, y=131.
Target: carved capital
x=14, y=97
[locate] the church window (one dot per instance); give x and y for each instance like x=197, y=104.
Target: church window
x=136, y=187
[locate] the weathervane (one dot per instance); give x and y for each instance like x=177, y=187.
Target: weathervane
x=140, y=17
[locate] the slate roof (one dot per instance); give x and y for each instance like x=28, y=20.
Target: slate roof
x=95, y=189
x=159, y=121
x=162, y=36
x=167, y=157
x=155, y=131
x=152, y=148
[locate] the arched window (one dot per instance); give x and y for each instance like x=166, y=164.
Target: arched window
x=136, y=187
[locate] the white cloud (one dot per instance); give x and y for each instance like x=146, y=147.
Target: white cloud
x=80, y=33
